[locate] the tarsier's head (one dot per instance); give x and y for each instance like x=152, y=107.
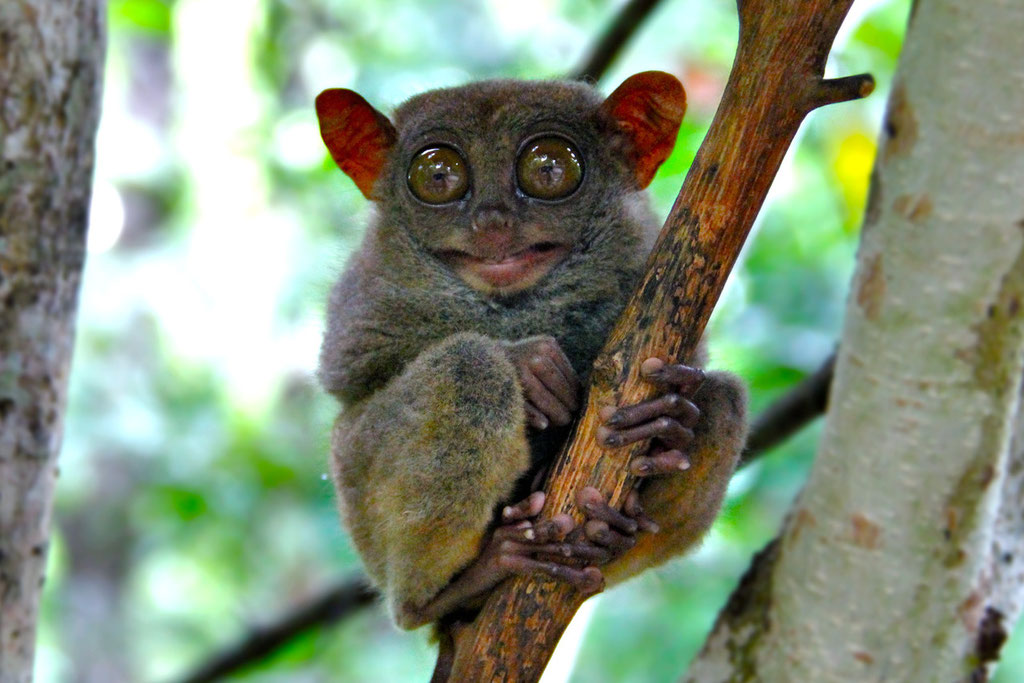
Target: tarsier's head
x=501, y=180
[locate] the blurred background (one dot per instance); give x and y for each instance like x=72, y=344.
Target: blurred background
x=193, y=502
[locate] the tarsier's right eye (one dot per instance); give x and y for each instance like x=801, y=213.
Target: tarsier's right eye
x=438, y=175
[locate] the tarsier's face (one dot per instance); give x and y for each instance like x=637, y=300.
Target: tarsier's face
x=501, y=180
x=503, y=235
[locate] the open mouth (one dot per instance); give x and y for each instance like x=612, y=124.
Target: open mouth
x=507, y=273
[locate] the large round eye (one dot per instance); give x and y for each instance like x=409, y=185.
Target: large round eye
x=438, y=175
x=549, y=168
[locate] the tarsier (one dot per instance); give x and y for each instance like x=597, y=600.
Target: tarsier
x=510, y=229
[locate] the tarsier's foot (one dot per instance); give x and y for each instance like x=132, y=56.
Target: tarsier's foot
x=611, y=531
x=667, y=420
x=521, y=545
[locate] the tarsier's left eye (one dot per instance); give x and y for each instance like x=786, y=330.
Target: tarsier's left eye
x=549, y=168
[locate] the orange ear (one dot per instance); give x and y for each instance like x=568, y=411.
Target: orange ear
x=357, y=135
x=648, y=107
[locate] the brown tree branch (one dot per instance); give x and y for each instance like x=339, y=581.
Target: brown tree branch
x=776, y=80
x=612, y=41
x=338, y=602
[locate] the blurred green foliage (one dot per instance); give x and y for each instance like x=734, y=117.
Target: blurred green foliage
x=193, y=499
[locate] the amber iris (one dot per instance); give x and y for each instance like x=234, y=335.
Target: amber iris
x=438, y=175
x=549, y=168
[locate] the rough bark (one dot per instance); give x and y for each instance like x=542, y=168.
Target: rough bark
x=776, y=80
x=902, y=559
x=51, y=56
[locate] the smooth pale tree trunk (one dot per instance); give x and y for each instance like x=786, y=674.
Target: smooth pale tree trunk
x=51, y=58
x=903, y=558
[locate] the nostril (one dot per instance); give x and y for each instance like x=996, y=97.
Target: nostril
x=491, y=219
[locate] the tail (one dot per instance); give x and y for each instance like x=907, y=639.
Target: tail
x=445, y=653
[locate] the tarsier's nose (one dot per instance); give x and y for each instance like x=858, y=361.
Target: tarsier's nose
x=493, y=231
x=492, y=219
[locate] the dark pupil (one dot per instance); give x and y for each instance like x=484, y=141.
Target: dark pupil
x=440, y=175
x=442, y=181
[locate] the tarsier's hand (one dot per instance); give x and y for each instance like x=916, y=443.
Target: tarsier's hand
x=550, y=385
x=668, y=422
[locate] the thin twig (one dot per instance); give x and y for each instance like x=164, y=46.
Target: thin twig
x=798, y=406
x=612, y=41
x=336, y=603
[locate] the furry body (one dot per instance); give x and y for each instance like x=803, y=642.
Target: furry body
x=434, y=439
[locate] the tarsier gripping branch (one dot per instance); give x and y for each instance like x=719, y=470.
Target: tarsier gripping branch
x=511, y=226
